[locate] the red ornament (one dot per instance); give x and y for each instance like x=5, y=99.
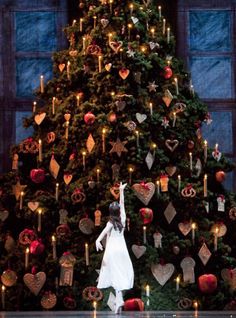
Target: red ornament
x=134, y=304
x=220, y=176
x=37, y=247
x=207, y=283
x=37, y=175
x=146, y=215
x=89, y=118
x=167, y=72
x=112, y=117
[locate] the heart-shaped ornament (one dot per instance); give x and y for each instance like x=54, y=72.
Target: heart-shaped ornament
x=115, y=45
x=162, y=273
x=61, y=67
x=141, y=117
x=171, y=144
x=67, y=178
x=134, y=20
x=144, y=191
x=39, y=118
x=91, y=184
x=153, y=45
x=67, y=116
x=216, y=155
x=120, y=104
x=124, y=73
x=33, y=205
x=115, y=191
x=229, y=276
x=185, y=227
x=104, y=22
x=108, y=67
x=35, y=282
x=171, y=170
x=4, y=215
x=138, y=250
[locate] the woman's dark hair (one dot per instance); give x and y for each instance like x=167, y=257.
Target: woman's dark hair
x=114, y=209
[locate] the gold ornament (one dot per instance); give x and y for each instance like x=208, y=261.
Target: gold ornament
x=167, y=98
x=90, y=143
x=8, y=278
x=48, y=300
x=54, y=167
x=118, y=146
x=39, y=118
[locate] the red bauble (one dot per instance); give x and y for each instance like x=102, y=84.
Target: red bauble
x=89, y=118
x=207, y=283
x=146, y=215
x=112, y=117
x=37, y=175
x=37, y=247
x=134, y=304
x=167, y=72
x=220, y=176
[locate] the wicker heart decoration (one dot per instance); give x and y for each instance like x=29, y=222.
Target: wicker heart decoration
x=185, y=228
x=115, y=45
x=141, y=117
x=108, y=67
x=39, y=118
x=171, y=144
x=35, y=282
x=33, y=205
x=171, y=170
x=104, y=22
x=144, y=191
x=162, y=273
x=138, y=250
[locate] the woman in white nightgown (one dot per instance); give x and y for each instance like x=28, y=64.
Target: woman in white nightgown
x=116, y=269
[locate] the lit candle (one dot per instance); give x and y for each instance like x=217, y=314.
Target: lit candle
x=86, y=254
x=78, y=99
x=99, y=63
x=176, y=85
x=81, y=25
x=179, y=183
x=53, y=105
x=94, y=21
x=21, y=200
x=177, y=283
x=98, y=175
x=26, y=258
x=158, y=187
x=74, y=22
x=159, y=12
x=84, y=44
x=68, y=70
x=131, y=170
x=109, y=37
x=191, y=88
x=3, y=296
x=131, y=8
x=137, y=138
x=57, y=191
x=195, y=306
x=40, y=151
x=147, y=289
x=84, y=156
x=174, y=119
x=34, y=107
x=151, y=109
x=94, y=309
x=205, y=150
x=152, y=32
x=103, y=140
x=168, y=35
x=144, y=234
x=39, y=220
x=129, y=31
x=54, y=250
x=190, y=161
x=216, y=239
x=110, y=1
x=163, y=26
x=193, y=232
x=41, y=84
x=205, y=186
x=67, y=129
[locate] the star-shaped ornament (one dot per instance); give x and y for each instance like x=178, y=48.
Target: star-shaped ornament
x=17, y=189
x=118, y=146
x=130, y=52
x=165, y=122
x=152, y=86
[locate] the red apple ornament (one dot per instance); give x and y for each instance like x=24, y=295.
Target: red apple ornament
x=36, y=247
x=89, y=118
x=220, y=176
x=207, y=283
x=167, y=72
x=37, y=175
x=146, y=215
x=134, y=304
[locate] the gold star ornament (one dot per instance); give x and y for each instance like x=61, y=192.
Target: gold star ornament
x=17, y=189
x=118, y=146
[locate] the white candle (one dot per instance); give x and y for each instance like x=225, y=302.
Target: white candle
x=168, y=35
x=144, y=234
x=109, y=37
x=21, y=200
x=94, y=21
x=205, y=186
x=100, y=63
x=103, y=140
x=163, y=26
x=39, y=220
x=190, y=161
x=179, y=183
x=205, y=150
x=159, y=12
x=137, y=138
x=158, y=187
x=68, y=70
x=147, y=289
x=177, y=283
x=151, y=109
x=131, y=170
x=54, y=250
x=40, y=151
x=193, y=232
x=129, y=31
x=86, y=254
x=3, y=296
x=84, y=156
x=152, y=32
x=26, y=258
x=67, y=130
x=98, y=175
x=53, y=105
x=78, y=99
x=131, y=8
x=110, y=1
x=41, y=84
x=174, y=119
x=34, y=106
x=195, y=306
x=57, y=191
x=74, y=22
x=84, y=44
x=216, y=148
x=216, y=239
x=176, y=85
x=81, y=25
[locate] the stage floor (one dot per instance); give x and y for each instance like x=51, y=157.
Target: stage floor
x=109, y=314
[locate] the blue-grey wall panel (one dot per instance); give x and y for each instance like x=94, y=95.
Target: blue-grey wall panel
x=21, y=132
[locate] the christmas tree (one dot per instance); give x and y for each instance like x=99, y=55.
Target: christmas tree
x=120, y=107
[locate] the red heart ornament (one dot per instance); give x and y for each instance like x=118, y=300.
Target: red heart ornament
x=124, y=73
